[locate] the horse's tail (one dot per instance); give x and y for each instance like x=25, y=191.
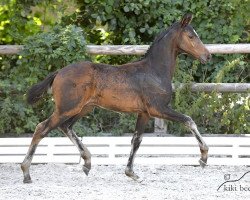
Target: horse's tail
x=36, y=91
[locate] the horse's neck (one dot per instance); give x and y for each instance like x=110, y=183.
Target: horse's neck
x=163, y=58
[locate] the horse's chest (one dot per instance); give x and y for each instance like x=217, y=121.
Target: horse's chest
x=154, y=85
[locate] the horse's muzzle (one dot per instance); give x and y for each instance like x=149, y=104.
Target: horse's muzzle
x=204, y=58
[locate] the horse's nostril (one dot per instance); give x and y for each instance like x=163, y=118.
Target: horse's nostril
x=205, y=58
x=209, y=57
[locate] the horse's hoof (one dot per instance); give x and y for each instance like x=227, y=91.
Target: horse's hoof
x=85, y=170
x=139, y=180
x=27, y=181
x=132, y=175
x=202, y=163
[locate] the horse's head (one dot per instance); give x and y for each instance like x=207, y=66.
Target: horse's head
x=189, y=41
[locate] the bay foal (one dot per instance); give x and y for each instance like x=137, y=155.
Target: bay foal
x=142, y=87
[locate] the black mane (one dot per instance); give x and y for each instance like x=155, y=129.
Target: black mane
x=158, y=38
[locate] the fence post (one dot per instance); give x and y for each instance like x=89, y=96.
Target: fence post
x=112, y=151
x=50, y=150
x=235, y=153
x=160, y=126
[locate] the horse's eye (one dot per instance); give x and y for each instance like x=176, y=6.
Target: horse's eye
x=191, y=36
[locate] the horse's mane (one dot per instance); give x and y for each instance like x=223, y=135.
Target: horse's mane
x=158, y=38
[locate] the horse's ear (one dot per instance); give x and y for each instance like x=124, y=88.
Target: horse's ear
x=186, y=19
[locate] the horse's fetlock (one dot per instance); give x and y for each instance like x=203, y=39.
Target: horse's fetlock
x=205, y=148
x=23, y=167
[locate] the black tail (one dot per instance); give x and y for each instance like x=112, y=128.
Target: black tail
x=37, y=91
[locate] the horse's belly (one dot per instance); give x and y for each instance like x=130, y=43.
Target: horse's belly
x=123, y=101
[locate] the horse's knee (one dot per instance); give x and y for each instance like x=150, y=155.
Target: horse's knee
x=190, y=123
x=193, y=127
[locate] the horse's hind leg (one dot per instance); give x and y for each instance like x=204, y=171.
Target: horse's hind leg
x=42, y=129
x=142, y=121
x=85, y=154
x=67, y=130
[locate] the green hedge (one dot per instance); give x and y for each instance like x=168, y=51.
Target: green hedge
x=127, y=22
x=216, y=21
x=42, y=53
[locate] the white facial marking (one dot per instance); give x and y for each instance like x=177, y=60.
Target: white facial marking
x=196, y=33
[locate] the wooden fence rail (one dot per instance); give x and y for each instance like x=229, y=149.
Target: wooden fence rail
x=141, y=49
x=115, y=150
x=136, y=49
x=217, y=87
x=196, y=87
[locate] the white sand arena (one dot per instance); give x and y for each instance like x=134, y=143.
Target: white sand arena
x=60, y=181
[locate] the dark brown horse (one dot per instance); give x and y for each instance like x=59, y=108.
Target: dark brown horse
x=142, y=87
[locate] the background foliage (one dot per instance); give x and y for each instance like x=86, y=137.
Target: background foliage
x=52, y=31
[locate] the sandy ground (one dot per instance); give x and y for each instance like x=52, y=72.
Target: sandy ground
x=60, y=181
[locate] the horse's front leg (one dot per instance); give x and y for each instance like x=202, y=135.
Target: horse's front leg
x=203, y=146
x=142, y=121
x=170, y=114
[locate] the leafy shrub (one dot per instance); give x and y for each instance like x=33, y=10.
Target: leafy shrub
x=137, y=22
x=214, y=112
x=125, y=22
x=22, y=18
x=42, y=53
